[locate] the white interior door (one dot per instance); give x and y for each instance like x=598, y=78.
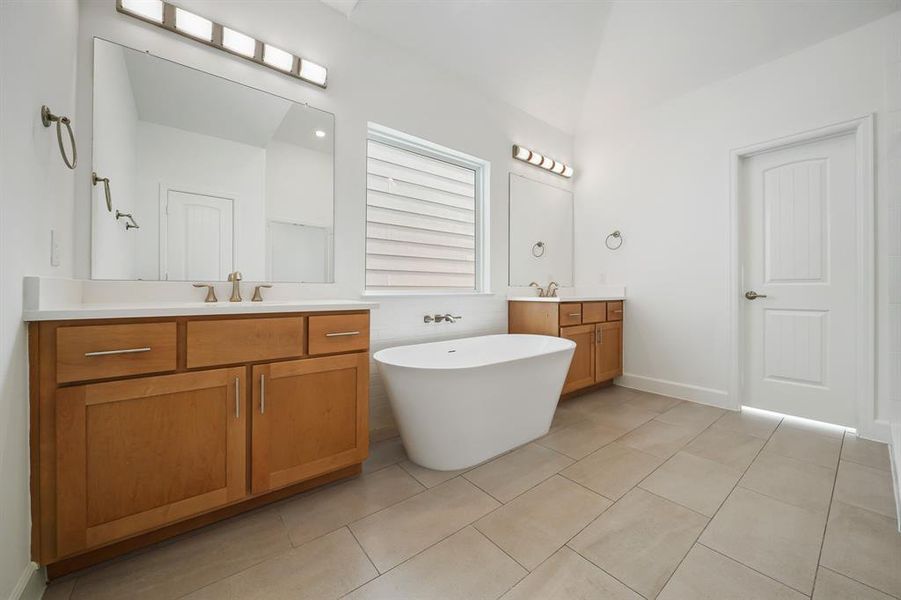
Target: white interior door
x=800, y=256
x=196, y=237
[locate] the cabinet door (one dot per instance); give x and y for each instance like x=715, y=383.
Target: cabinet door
x=310, y=417
x=582, y=367
x=137, y=454
x=609, y=350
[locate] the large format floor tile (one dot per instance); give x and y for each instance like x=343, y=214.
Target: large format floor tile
x=690, y=414
x=864, y=452
x=651, y=401
x=395, y=534
x=465, y=566
x=802, y=484
x=428, y=477
x=534, y=525
x=864, y=546
x=309, y=516
x=731, y=448
x=568, y=576
x=384, y=453
x=832, y=586
x=693, y=482
x=327, y=567
x=613, y=470
x=658, y=438
x=778, y=539
x=705, y=574
x=808, y=445
x=759, y=425
x=188, y=563
x=580, y=439
x=512, y=474
x=640, y=540
x=865, y=487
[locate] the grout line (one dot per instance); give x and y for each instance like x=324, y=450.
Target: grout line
x=866, y=585
x=366, y=554
x=751, y=568
x=611, y=575
x=507, y=554
x=828, y=512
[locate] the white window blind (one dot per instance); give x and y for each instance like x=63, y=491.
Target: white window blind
x=421, y=222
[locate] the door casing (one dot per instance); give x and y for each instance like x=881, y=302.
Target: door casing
x=865, y=302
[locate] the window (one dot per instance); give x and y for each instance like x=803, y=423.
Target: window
x=425, y=216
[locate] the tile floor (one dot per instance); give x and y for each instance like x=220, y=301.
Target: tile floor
x=631, y=495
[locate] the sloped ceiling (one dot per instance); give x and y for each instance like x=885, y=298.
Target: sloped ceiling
x=574, y=62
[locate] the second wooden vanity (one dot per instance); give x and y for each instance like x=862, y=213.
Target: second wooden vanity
x=142, y=428
x=595, y=326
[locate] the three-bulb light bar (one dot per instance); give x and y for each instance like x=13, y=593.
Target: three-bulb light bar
x=191, y=25
x=545, y=162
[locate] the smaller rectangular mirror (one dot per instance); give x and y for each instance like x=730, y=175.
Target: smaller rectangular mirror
x=206, y=176
x=541, y=233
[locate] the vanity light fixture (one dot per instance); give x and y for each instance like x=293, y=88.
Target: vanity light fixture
x=198, y=28
x=545, y=162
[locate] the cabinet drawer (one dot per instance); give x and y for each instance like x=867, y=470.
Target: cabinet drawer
x=232, y=341
x=85, y=352
x=339, y=333
x=615, y=311
x=570, y=314
x=594, y=312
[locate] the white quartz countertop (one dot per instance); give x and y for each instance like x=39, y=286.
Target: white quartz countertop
x=186, y=309
x=566, y=299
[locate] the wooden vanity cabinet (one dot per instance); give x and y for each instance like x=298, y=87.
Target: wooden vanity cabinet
x=123, y=456
x=596, y=327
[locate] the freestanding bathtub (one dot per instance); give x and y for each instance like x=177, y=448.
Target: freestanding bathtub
x=460, y=402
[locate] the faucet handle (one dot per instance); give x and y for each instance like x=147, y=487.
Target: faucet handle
x=210, y=291
x=257, y=294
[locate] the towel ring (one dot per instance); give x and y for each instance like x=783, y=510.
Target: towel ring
x=538, y=249
x=47, y=118
x=618, y=240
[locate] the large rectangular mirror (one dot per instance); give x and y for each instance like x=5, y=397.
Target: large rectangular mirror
x=206, y=176
x=541, y=233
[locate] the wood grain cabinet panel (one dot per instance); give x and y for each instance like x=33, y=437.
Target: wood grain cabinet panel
x=609, y=351
x=330, y=334
x=86, y=352
x=615, y=311
x=582, y=368
x=232, y=341
x=570, y=314
x=136, y=454
x=594, y=312
x=309, y=418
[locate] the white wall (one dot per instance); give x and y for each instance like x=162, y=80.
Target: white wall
x=299, y=185
x=663, y=179
x=370, y=79
x=201, y=164
x=37, y=66
x=114, y=158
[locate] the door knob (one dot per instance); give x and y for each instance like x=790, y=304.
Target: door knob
x=752, y=295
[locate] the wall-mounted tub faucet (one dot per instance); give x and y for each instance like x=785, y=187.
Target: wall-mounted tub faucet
x=438, y=318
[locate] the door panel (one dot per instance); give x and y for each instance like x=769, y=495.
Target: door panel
x=799, y=250
x=137, y=454
x=196, y=237
x=582, y=368
x=309, y=418
x=609, y=351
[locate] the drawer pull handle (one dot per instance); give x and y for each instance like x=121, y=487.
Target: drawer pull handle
x=237, y=397
x=619, y=310
x=575, y=314
x=112, y=352
x=342, y=333
x=262, y=394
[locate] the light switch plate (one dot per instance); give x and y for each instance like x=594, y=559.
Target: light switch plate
x=54, y=249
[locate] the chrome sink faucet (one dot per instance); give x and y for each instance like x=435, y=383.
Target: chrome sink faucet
x=438, y=318
x=235, y=278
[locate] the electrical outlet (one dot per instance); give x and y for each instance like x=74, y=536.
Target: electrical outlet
x=54, y=249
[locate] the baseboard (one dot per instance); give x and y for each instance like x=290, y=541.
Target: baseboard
x=682, y=391
x=31, y=584
x=895, y=455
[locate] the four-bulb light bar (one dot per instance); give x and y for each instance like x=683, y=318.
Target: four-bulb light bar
x=545, y=162
x=183, y=22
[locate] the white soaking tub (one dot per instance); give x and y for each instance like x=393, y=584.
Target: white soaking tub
x=460, y=402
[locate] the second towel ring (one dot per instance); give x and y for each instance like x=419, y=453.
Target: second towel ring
x=47, y=118
x=617, y=240
x=538, y=249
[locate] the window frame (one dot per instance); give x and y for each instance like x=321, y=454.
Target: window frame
x=482, y=190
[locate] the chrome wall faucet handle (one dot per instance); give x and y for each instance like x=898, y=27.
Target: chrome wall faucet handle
x=257, y=294
x=210, y=291
x=235, y=279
